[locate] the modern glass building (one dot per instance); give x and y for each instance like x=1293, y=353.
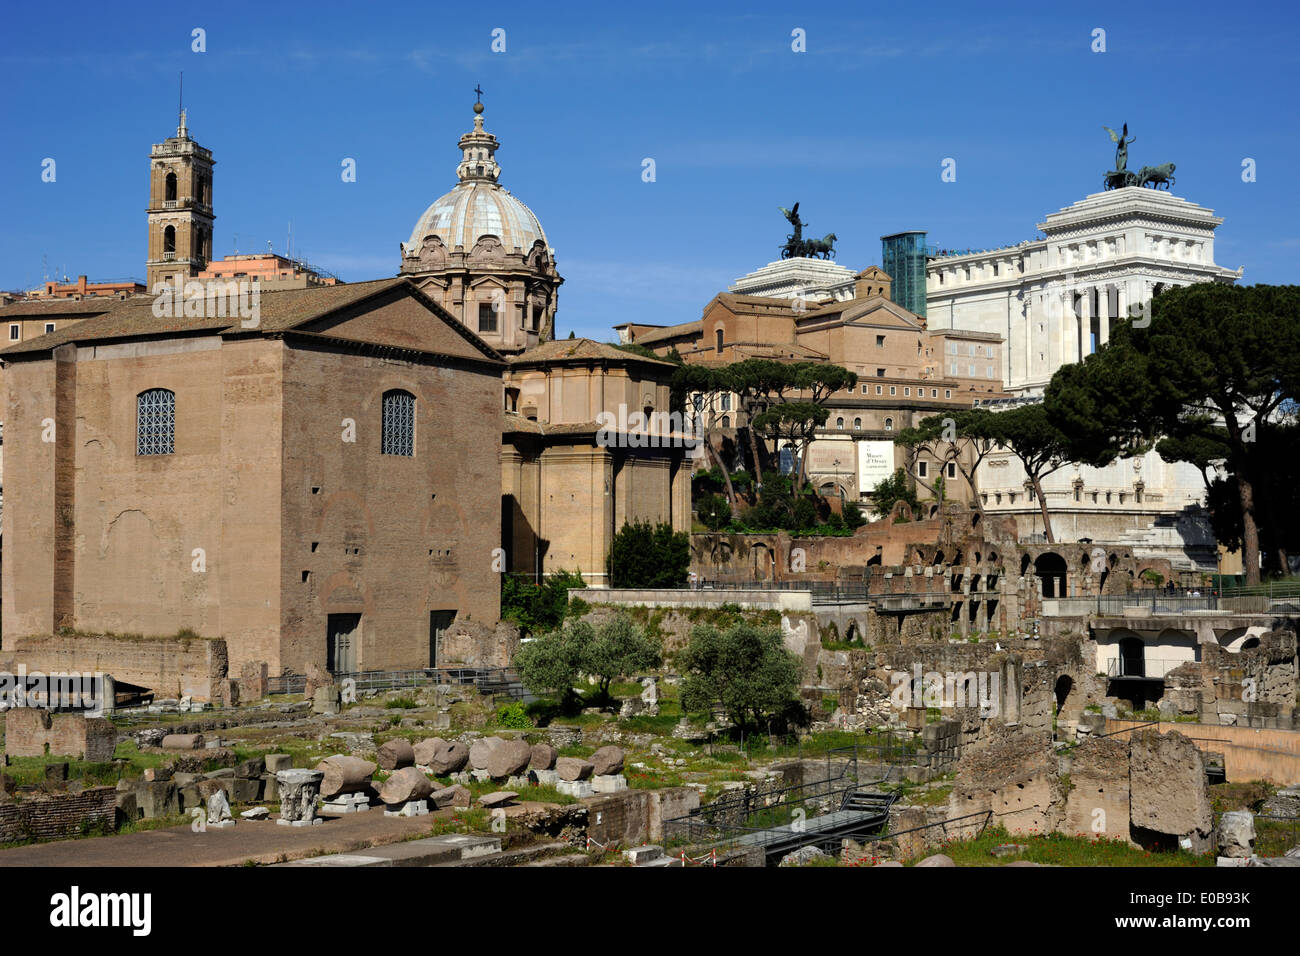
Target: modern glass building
x=903, y=256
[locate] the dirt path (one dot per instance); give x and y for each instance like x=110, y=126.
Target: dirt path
x=262, y=841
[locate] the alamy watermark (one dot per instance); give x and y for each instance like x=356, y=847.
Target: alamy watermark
x=212, y=298
x=80, y=691
x=978, y=689
x=647, y=429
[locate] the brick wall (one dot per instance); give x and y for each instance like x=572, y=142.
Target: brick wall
x=621, y=817
x=171, y=666
x=30, y=730
x=53, y=817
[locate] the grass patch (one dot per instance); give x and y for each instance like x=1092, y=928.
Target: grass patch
x=1058, y=849
x=1242, y=795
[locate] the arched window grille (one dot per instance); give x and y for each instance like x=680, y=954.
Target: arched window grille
x=399, y=423
x=155, y=422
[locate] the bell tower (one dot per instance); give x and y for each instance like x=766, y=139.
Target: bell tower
x=180, y=208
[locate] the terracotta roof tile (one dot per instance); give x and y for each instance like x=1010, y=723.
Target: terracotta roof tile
x=561, y=349
x=134, y=317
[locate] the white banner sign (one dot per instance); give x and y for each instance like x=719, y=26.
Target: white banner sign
x=875, y=463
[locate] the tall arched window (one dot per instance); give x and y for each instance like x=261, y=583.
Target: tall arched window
x=717, y=341
x=155, y=422
x=169, y=239
x=170, y=194
x=889, y=424
x=857, y=423
x=399, y=423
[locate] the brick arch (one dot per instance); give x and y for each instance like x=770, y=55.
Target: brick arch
x=361, y=599
x=343, y=498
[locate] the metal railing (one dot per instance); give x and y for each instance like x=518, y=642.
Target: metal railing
x=1125, y=730
x=1275, y=590
x=832, y=592
x=488, y=680
x=767, y=819
x=986, y=814
x=1149, y=668
x=1157, y=602
x=734, y=819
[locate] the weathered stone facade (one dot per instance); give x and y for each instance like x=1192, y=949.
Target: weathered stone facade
x=277, y=508
x=34, y=732
x=170, y=666
x=576, y=465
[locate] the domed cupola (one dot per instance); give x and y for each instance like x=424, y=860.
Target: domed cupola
x=479, y=148
x=483, y=254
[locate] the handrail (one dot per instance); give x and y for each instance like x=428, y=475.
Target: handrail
x=1124, y=730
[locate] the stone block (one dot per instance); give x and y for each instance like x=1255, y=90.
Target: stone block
x=454, y=796
x=157, y=799
x=128, y=810
x=346, y=803
x=543, y=778
x=1169, y=794
x=641, y=855
x=277, y=762
x=412, y=808
x=253, y=767
x=326, y=700
x=575, y=788
x=609, y=783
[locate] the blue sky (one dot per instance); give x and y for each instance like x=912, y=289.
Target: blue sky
x=854, y=129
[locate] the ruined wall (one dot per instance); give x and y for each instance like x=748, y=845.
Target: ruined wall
x=622, y=818
x=1255, y=687
x=34, y=732
x=478, y=644
x=1014, y=775
x=1097, y=803
x=1168, y=795
x=1248, y=753
x=51, y=817
x=170, y=666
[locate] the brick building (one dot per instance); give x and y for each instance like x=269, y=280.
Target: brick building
x=320, y=487
x=906, y=372
x=565, y=492
x=272, y=271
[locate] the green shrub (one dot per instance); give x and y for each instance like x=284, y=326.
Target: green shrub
x=714, y=511
x=513, y=716
x=538, y=608
x=649, y=556
x=745, y=670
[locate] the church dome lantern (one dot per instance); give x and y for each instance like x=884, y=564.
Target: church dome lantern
x=478, y=245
